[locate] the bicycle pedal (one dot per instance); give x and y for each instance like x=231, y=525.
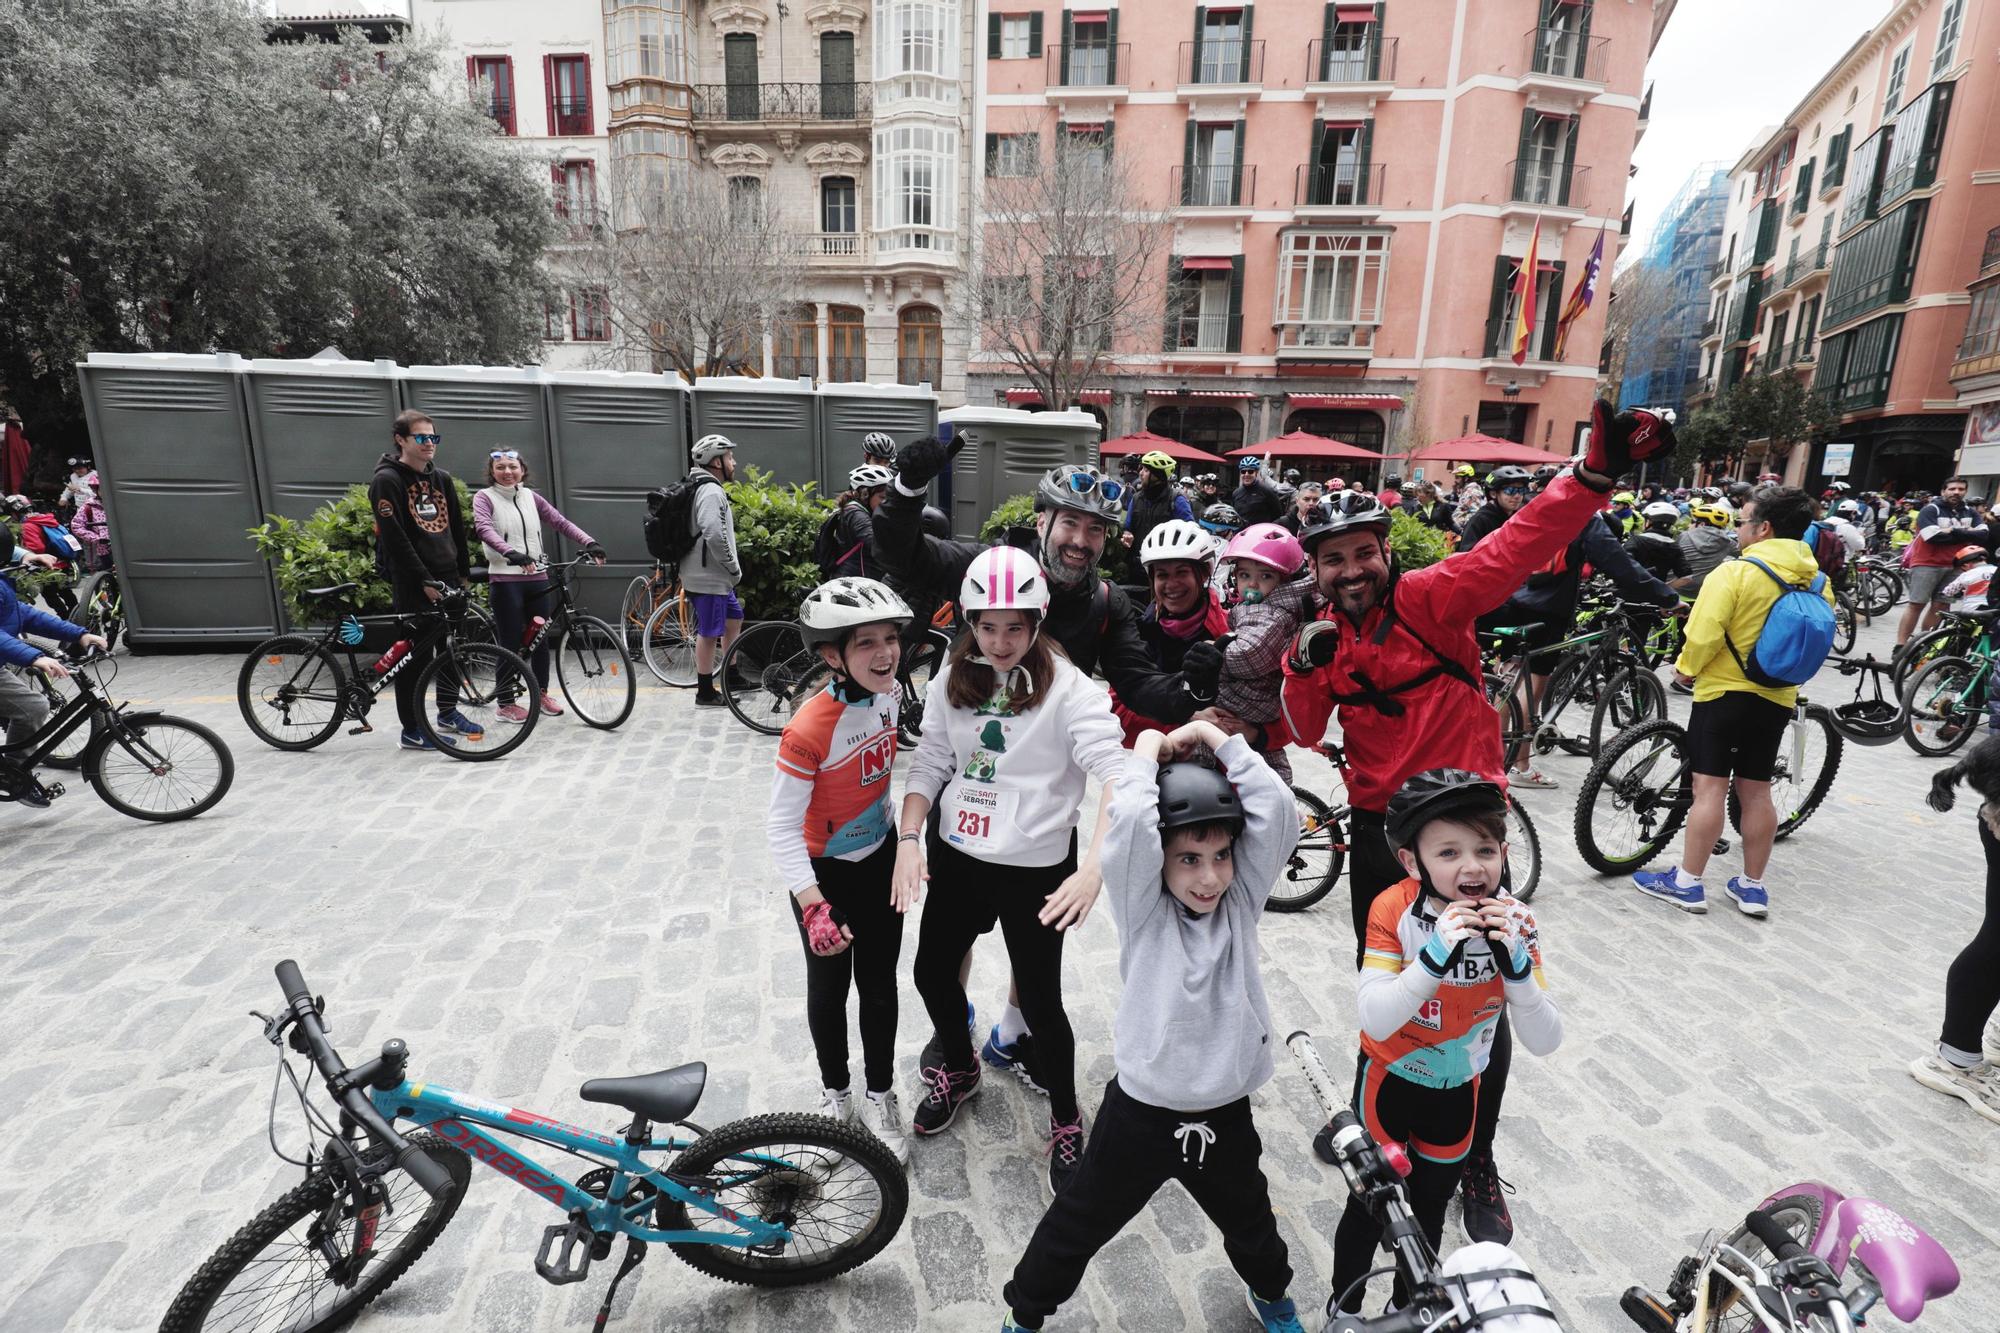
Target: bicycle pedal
x=53, y=789
x=571, y=1260
x=361, y=730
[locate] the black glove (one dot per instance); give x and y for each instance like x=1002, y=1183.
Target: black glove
x=594, y=551
x=1202, y=668
x=1317, y=642
x=1617, y=442
x=519, y=559
x=919, y=462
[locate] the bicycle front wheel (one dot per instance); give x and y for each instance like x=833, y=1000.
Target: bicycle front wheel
x=471, y=683
x=159, y=769
x=1942, y=706
x=1800, y=1214
x=839, y=1192
x=1845, y=626
x=1808, y=760
x=290, y=692
x=286, y=1271
x=1317, y=860
x=595, y=674
x=781, y=674
x=1524, y=851
x=1635, y=798
x=1633, y=696
x=667, y=641
x=1924, y=649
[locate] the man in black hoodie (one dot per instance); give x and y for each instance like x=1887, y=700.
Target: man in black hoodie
x=419, y=544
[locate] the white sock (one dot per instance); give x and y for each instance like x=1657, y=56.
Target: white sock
x=1951, y=1055
x=1683, y=880
x=1749, y=883
x=878, y=1096
x=1012, y=1025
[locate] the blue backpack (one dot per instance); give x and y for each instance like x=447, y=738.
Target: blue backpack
x=1797, y=636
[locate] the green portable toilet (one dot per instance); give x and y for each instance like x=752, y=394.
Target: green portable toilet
x=849, y=411
x=1006, y=452
x=170, y=436
x=478, y=409
x=616, y=435
x=774, y=423
x=317, y=427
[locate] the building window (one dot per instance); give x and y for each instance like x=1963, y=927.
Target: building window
x=1547, y=151
x=1009, y=155
x=1349, y=427
x=493, y=87
x=1899, y=73
x=569, y=96
x=590, y=315
x=1504, y=304
x=746, y=201
x=1089, y=146
x=1873, y=267
x=920, y=346
x=1090, y=62
x=1206, y=426
x=1947, y=38
x=1802, y=344
x=1351, y=47
x=647, y=39
x=1774, y=345
x=1982, y=324
x=555, y=323
x=846, y=345
x=1220, y=53
x=1212, y=171
x=1340, y=165
x=916, y=49
x=1013, y=36
x=576, y=193
x=1855, y=366
x=916, y=199
x=795, y=345
x=836, y=206
x=739, y=73
x=1504, y=421
x=1205, y=305
x=1330, y=288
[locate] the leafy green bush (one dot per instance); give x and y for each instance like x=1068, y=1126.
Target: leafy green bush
x=1415, y=542
x=775, y=528
x=335, y=545
x=1014, y=512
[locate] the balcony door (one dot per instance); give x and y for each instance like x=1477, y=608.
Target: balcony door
x=739, y=71
x=837, y=220
x=836, y=76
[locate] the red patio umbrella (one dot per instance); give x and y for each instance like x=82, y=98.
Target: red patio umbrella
x=1484, y=449
x=1299, y=444
x=1145, y=442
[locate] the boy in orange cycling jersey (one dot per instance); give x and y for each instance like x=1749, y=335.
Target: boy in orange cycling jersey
x=1446, y=950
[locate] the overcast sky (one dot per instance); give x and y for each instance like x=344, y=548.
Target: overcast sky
x=1725, y=69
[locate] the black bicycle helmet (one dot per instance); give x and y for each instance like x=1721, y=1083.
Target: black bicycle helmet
x=936, y=524
x=1545, y=474
x=1192, y=793
x=1509, y=476
x=1292, y=475
x=1350, y=511
x=1221, y=516
x=1869, y=721
x=1438, y=793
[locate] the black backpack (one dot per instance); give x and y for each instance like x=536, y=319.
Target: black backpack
x=669, y=521
x=826, y=552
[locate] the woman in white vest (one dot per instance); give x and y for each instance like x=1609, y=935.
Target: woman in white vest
x=512, y=521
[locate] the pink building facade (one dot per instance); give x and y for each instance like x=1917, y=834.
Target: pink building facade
x=1354, y=187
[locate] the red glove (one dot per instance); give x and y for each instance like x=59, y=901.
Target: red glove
x=824, y=935
x=1617, y=442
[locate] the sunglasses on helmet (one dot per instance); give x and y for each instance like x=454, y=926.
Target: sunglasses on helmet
x=1088, y=483
x=514, y=454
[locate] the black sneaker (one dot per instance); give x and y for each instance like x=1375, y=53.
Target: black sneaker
x=1486, y=1216
x=1065, y=1151
x=712, y=699
x=945, y=1090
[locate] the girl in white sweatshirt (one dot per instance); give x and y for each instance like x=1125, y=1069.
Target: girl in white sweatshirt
x=1012, y=731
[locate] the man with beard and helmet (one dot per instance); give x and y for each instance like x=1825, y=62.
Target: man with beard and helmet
x=1397, y=658
x=1155, y=501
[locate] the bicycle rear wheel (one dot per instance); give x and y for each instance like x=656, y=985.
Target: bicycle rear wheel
x=834, y=1186
x=929, y=649
x=1634, y=695
x=1845, y=625
x=275, y=1274
x=1635, y=798
x=595, y=674
x=1943, y=705
x=1569, y=683
x=667, y=641
x=484, y=677
x=158, y=768
x=1924, y=649
x=1808, y=760
x=290, y=692
x=1800, y=1214
x=784, y=671
x=1524, y=851
x=1316, y=862
x=1876, y=591
x=635, y=608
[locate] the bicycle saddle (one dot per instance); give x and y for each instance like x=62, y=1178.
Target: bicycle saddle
x=333, y=591
x=1912, y=1267
x=1984, y=617
x=667, y=1096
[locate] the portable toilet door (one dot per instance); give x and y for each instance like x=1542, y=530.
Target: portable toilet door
x=478, y=409
x=317, y=428
x=773, y=423
x=1007, y=451
x=170, y=436
x=847, y=412
x=616, y=435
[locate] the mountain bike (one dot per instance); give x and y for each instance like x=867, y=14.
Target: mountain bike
x=100, y=604
x=1877, y=584
x=145, y=764
x=659, y=624
x=770, y=1201
x=769, y=673
x=294, y=693
x=1599, y=666
x=1946, y=699
x=1952, y=636
x=592, y=668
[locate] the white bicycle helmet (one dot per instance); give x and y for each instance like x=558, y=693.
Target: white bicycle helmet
x=840, y=605
x=1661, y=509
x=870, y=475
x=1004, y=578
x=1177, y=539
x=711, y=447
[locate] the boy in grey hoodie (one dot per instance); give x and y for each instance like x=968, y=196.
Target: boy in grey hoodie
x=1189, y=860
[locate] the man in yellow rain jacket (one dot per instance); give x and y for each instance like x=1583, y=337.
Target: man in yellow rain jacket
x=1737, y=725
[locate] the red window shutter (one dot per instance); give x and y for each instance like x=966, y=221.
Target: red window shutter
x=589, y=100
x=561, y=195
x=513, y=97
x=472, y=70
x=549, y=89
x=572, y=315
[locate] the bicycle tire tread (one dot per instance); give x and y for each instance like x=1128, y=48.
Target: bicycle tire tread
x=1593, y=783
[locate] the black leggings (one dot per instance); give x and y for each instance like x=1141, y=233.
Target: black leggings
x=967, y=895
x=407, y=601
x=514, y=600
x=859, y=892
x=1972, y=985
x=1371, y=868
x=1405, y=1111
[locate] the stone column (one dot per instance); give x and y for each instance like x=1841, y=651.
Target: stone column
x=822, y=337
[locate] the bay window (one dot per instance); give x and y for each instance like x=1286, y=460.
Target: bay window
x=916, y=186
x=1330, y=288
x=916, y=50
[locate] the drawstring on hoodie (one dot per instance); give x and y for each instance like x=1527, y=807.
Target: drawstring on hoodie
x=1189, y=1134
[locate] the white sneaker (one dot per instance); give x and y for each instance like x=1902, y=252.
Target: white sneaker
x=1530, y=777
x=1978, y=1087
x=836, y=1104
x=883, y=1116
x=1992, y=1040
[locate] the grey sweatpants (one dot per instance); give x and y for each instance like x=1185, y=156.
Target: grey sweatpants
x=23, y=706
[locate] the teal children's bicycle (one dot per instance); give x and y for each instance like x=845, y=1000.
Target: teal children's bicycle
x=771, y=1201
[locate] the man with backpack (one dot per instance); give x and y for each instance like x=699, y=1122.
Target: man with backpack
x=709, y=567
x=1761, y=627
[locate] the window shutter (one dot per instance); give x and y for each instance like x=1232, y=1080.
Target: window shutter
x=1035, y=35
x=549, y=87
x=1048, y=301
x=513, y=97
x=1551, y=311
x=1235, y=343
x=1521, y=153
x=1375, y=45
x=1243, y=70
x=1111, y=48
x=1236, y=169
x=1187, y=173
x=1194, y=58
x=1174, y=302
x=1068, y=36
x=992, y=36
x=1497, y=305
x=589, y=100
x=1363, y=190
x=472, y=71
x=992, y=153
x=1034, y=152
x=1583, y=12
x=1316, y=186
x=1569, y=156
x=1107, y=143
x=1326, y=38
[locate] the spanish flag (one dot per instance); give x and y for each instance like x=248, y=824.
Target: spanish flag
x=1524, y=293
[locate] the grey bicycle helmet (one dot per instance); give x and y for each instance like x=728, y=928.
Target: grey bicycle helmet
x=1509, y=476
x=876, y=444
x=1083, y=488
x=837, y=606
x=1192, y=793
x=1350, y=511
x=711, y=447
x=936, y=523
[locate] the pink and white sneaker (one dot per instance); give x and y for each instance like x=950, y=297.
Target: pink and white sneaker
x=550, y=706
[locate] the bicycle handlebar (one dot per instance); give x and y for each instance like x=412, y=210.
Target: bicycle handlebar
x=434, y=1179
x=1774, y=1236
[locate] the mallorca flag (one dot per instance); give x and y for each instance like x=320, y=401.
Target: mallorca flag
x=1580, y=296
x=1524, y=294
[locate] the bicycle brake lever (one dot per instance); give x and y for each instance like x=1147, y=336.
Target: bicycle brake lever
x=274, y=1025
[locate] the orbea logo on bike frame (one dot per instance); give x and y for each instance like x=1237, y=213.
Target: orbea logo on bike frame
x=482, y=1149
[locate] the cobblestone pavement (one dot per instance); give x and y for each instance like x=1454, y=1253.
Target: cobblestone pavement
x=604, y=904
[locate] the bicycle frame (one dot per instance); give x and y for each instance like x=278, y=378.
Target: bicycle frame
x=1746, y=1287
x=31, y=752
x=461, y=1120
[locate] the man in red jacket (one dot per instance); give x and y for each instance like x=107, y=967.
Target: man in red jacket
x=1398, y=657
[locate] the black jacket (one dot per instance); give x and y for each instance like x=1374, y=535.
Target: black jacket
x=419, y=529
x=1257, y=502
x=1439, y=516
x=1095, y=622
x=1483, y=521
x=853, y=530
x=1660, y=554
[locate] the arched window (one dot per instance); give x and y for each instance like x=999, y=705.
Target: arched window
x=920, y=346
x=1205, y=426
x=1358, y=428
x=795, y=345
x=846, y=345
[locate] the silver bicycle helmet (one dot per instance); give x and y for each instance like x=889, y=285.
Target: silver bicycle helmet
x=870, y=475
x=1083, y=488
x=711, y=447
x=840, y=605
x=876, y=444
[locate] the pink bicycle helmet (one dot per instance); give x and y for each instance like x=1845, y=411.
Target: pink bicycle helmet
x=1267, y=544
x=1004, y=578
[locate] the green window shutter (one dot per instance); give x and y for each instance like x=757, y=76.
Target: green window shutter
x=1107, y=142
x=1569, y=156
x=1521, y=153
x=1236, y=169
x=1187, y=167
x=1175, y=300
x=992, y=36
x=1363, y=191
x=1375, y=45
x=1583, y=31
x=1111, y=48
x=1068, y=36
x=992, y=152
x=1235, y=343
x=1326, y=26
x=1243, y=71
x=1194, y=52
x=1035, y=35
x=1496, y=306
x=1035, y=150
x=1316, y=188
x=1552, y=305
